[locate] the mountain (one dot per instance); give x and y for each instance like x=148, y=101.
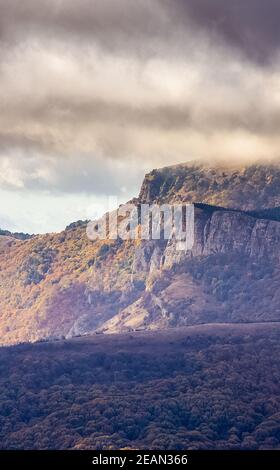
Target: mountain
x=63, y=284
x=202, y=387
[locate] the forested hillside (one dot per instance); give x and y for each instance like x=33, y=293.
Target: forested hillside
x=204, y=387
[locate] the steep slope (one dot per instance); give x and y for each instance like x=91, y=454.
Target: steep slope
x=64, y=284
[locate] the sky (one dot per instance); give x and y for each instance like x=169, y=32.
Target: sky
x=95, y=93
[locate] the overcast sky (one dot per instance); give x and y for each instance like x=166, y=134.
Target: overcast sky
x=94, y=93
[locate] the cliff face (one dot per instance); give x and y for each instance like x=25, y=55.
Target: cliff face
x=64, y=284
x=227, y=231
x=231, y=274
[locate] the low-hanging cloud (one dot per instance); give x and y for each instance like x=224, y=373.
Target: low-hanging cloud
x=89, y=89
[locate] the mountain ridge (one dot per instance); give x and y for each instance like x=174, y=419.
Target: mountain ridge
x=63, y=284
x=228, y=187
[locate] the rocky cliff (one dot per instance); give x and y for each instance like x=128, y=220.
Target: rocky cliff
x=66, y=285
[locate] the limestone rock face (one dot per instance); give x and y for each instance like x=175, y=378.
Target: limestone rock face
x=224, y=232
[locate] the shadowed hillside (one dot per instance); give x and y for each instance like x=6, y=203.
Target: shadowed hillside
x=205, y=387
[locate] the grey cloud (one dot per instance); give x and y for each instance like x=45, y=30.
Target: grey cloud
x=252, y=26
x=24, y=169
x=91, y=91
x=111, y=24
x=252, y=117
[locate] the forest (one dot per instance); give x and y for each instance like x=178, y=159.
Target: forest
x=202, y=387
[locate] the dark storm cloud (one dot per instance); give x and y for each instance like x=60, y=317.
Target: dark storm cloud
x=250, y=25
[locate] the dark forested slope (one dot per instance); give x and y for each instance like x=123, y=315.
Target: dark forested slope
x=204, y=387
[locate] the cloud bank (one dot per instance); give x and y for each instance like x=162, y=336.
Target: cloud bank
x=93, y=93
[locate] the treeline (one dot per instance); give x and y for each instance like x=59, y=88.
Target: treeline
x=17, y=235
